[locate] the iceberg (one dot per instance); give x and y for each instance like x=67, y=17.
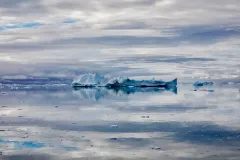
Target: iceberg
x=97, y=80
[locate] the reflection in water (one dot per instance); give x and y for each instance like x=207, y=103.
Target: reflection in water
x=97, y=93
x=21, y=145
x=123, y=123
x=25, y=144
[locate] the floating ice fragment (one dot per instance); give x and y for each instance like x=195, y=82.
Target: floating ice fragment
x=231, y=83
x=114, y=126
x=206, y=90
x=156, y=148
x=199, y=84
x=210, y=90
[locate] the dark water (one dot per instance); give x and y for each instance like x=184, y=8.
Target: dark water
x=58, y=122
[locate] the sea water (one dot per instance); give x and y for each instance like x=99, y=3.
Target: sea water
x=48, y=119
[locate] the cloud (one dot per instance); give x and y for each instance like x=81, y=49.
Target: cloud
x=57, y=31
x=162, y=59
x=69, y=21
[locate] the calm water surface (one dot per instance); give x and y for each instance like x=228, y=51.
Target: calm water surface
x=63, y=123
x=52, y=122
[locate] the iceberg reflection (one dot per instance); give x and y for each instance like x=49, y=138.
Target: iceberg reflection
x=97, y=93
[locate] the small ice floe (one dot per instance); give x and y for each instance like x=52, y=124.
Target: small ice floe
x=209, y=90
x=114, y=126
x=156, y=148
x=231, y=83
x=203, y=86
x=199, y=84
x=145, y=116
x=205, y=90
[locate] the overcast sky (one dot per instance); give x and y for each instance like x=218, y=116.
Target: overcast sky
x=67, y=37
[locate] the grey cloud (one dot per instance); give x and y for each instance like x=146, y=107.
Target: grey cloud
x=14, y=3
x=75, y=5
x=18, y=8
x=128, y=25
x=221, y=10
x=200, y=35
x=162, y=59
x=68, y=69
x=92, y=5
x=117, y=40
x=129, y=4
x=93, y=41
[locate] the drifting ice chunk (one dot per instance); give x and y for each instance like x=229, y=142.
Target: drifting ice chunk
x=199, y=84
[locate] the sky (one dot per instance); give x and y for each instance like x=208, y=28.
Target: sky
x=64, y=38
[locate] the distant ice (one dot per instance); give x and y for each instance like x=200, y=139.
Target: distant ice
x=199, y=84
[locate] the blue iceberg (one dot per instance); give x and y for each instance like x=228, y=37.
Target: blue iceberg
x=98, y=80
